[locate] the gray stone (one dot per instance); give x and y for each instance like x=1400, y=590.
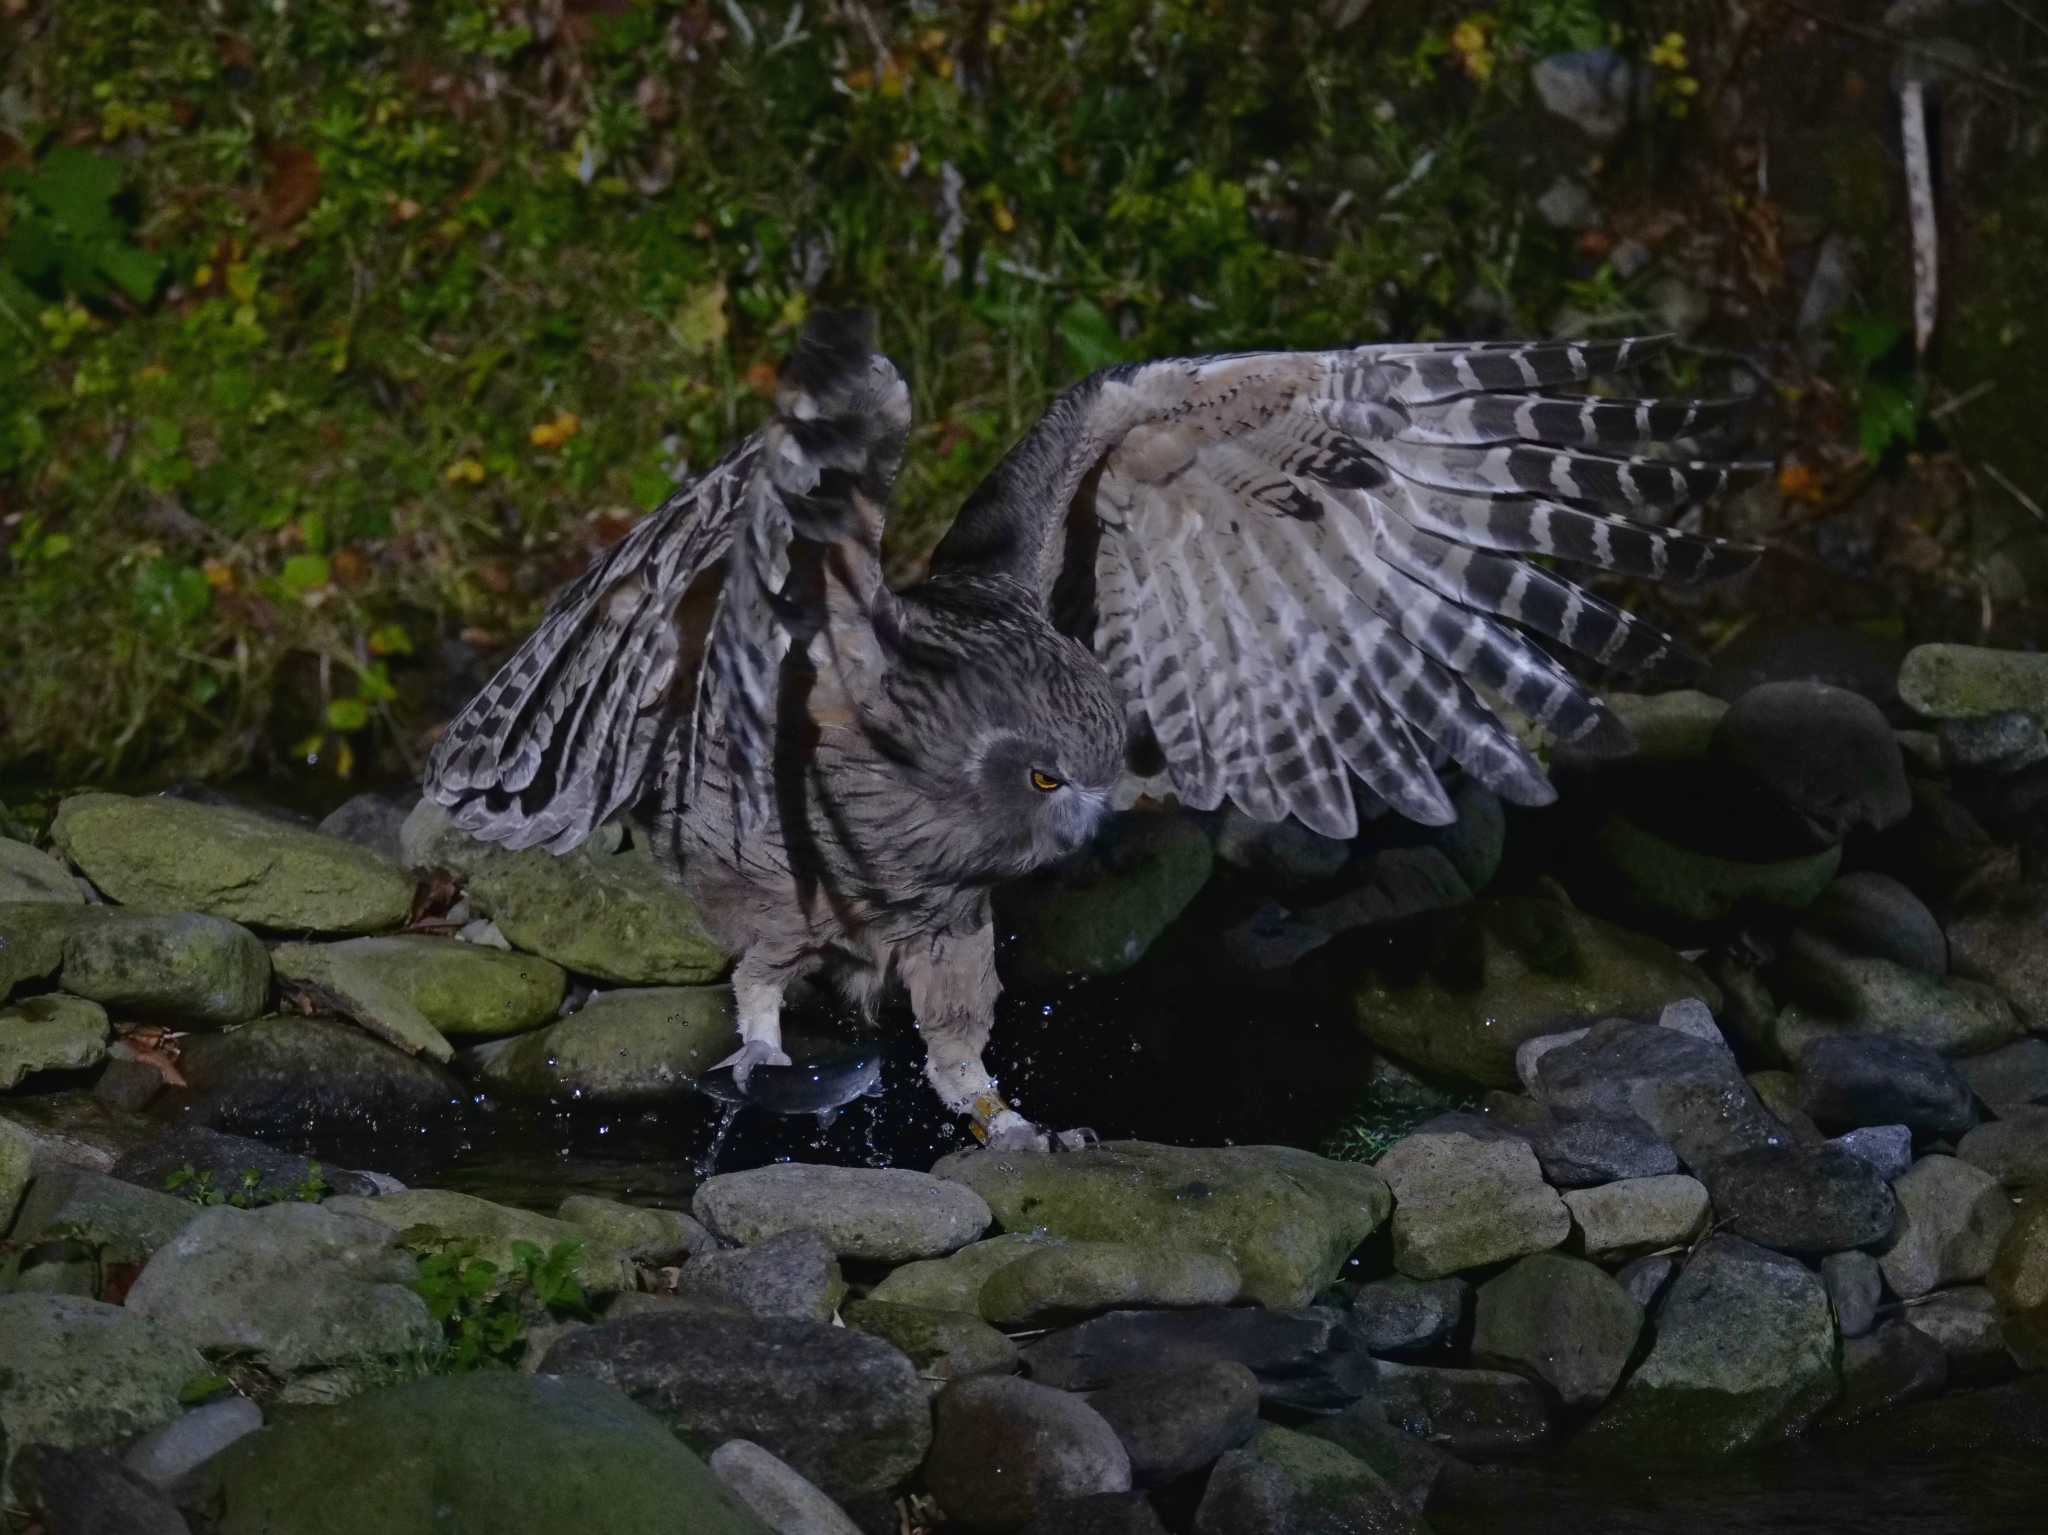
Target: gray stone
x=1960, y=681
x=176, y=855
x=943, y=1345
x=889, y=1215
x=1839, y=993
x=1993, y=743
x=1561, y=1319
x=475, y=1454
x=844, y=1409
x=1473, y=1414
x=791, y=1274
x=1308, y=1360
x=1460, y=1202
x=633, y=1046
x=1951, y=1219
x=1798, y=1200
x=164, y=1456
x=1076, y=1279
x=1578, y=1153
x=2013, y=1149
x=89, y=1492
x=120, y=1222
x=50, y=1033
x=17, y=1153
x=369, y=820
x=1285, y=1483
x=1970, y=1328
x=1997, y=941
x=298, y=1074
x=1874, y=914
x=1888, y=1149
x=953, y=1283
x=1591, y=90
x=1175, y=1421
x=1644, y=1278
x=1638, y=1215
x=639, y=1231
x=31, y=942
x=1399, y=1316
x=1821, y=751
x=184, y=966
x=27, y=875
x=1097, y=915
x=494, y=1228
x=1744, y=1353
x=414, y=990
x=1894, y=1365
x=2018, y=1283
x=2009, y=1077
x=780, y=1498
x=1852, y=1081
x=227, y=1161
x=296, y=1285
x=612, y=915
x=1689, y=1092
x=1003, y=1448
x=1855, y=1286
x=1568, y=204
x=82, y=1373
x=1287, y=1217
x=73, y=1128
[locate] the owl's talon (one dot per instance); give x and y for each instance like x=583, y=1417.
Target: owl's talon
x=1080, y=1138
x=755, y=1052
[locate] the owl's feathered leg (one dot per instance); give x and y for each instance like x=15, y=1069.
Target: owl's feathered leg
x=757, y=983
x=953, y=991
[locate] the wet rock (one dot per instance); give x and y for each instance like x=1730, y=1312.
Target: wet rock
x=953, y=1283
x=1400, y=1316
x=467, y=1454
x=1839, y=993
x=1461, y=1202
x=1798, y=1200
x=72, y=1128
x=1101, y=1513
x=1951, y=1219
x=1305, y=1359
x=175, y=855
x=1174, y=1421
x=125, y=1083
x=228, y=1160
x=1282, y=853
x=493, y=1228
x=184, y=966
x=1823, y=752
x=2012, y=1076
x=1688, y=888
x=1561, y=1319
x=2014, y=1150
x=1888, y=1149
x=1688, y=1091
x=1997, y=941
x=1288, y=1218
x=369, y=820
x=1967, y=1325
x=781, y=1499
x=288, y=1074
x=791, y=1274
x=1855, y=1286
x=89, y=1492
x=1284, y=1483
x=1098, y=915
x=612, y=915
x=1852, y=1081
x=1406, y=1464
x=943, y=1345
x=1077, y=1279
x=52, y=1032
x=632, y=1046
x=1961, y=681
x=1874, y=914
x=1993, y=743
x=413, y=990
x=81, y=1373
x=1744, y=1353
x=29, y=876
x=890, y=1215
x=296, y=1285
x=1637, y=1215
x=1645, y=1278
x=2018, y=1282
x=844, y=1409
x=639, y=1231
x=120, y=1222
x=1003, y=1447
x=1458, y=991
x=1892, y=1366
x=1591, y=90
x=164, y=1456
x=1472, y=1414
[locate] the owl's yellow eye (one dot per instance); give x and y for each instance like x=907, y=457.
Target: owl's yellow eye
x=1043, y=781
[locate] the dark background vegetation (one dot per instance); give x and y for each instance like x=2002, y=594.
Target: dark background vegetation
x=336, y=334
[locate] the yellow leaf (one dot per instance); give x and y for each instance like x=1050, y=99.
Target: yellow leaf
x=466, y=471
x=701, y=324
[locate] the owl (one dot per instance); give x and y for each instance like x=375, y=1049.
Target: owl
x=1298, y=582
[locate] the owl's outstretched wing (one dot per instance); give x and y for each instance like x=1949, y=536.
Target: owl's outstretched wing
x=1297, y=565
x=675, y=638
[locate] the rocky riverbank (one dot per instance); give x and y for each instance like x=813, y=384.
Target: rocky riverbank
x=1706, y=1109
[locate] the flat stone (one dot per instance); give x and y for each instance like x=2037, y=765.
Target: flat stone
x=177, y=855
x=1461, y=1202
x=1852, y=1081
x=1098, y=914
x=50, y=1033
x=2018, y=1282
x=1285, y=1483
x=1801, y=1201
x=182, y=966
x=639, y=1231
x=493, y=1228
x=415, y=990
x=633, y=1046
x=1688, y=1091
x=943, y=1345
x=1077, y=1279
x=1638, y=1215
x=1822, y=751
x=953, y=1283
x=1887, y=1149
x=2013, y=1149
x=1473, y=1414
x=27, y=875
x=295, y=1075
x=120, y=1222
x=1399, y=1316
x=1303, y=1359
x=165, y=1456
x=1840, y=993
x=1958, y=681
x=1875, y=914
x=612, y=915
x=778, y=1496
x=1952, y=1217
x=1968, y=1325
x=82, y=1373
x=791, y=1274
x=471, y=1455
x=228, y=1161
x=888, y=1215
x=1563, y=1320
x=1855, y=1286
x=842, y=1408
x=1175, y=1421
x=1288, y=1218
x=1894, y=1365
x=1004, y=1447
x=296, y=1285
x=2012, y=1076
x=1744, y=1353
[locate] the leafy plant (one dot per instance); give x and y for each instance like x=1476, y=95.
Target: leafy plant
x=483, y=1313
x=199, y=1186
x=1890, y=395
x=68, y=230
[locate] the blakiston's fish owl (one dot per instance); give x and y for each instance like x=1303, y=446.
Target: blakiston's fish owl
x=1283, y=573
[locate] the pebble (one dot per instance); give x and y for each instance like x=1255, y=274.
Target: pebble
x=1644, y=1278
x=27, y=875
x=1303, y=1359
x=2018, y=1282
x=1591, y=90
x=1968, y=1325
x=1993, y=743
x=943, y=1345
x=2009, y=1077
x=1952, y=1217
x=1472, y=1414
x=1002, y=1448
x=641, y=1044
x=1689, y=1092
x=640, y=1231
x=1896, y=1364
x=953, y=1283
x=52, y=1032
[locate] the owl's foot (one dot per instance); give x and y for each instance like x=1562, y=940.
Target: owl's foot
x=755, y=1052
x=1007, y=1130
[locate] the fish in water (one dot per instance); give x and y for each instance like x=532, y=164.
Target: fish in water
x=821, y=1085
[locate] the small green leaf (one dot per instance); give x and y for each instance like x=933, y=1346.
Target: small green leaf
x=347, y=714
x=1090, y=336
x=304, y=572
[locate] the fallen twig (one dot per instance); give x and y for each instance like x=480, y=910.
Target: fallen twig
x=2015, y=492
x=1921, y=212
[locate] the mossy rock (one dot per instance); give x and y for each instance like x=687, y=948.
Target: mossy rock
x=953, y=1283
x=414, y=990
x=1965, y=681
x=636, y=1045
x=27, y=875
x=1659, y=876
x=444, y=1215
x=1099, y=915
x=50, y=1033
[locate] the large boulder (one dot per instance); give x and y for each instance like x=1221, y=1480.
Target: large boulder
x=1175, y=1421
x=414, y=990
x=492, y=1229
x=1287, y=1217
x=1833, y=992
x=1076, y=1279
x=470, y=1455
x=184, y=966
x=1952, y=1217
x=887, y=1215
x=1798, y=1200
x=1561, y=1319
x=1848, y=1081
x=179, y=855
x=1285, y=1483
x=1687, y=1089
x=1004, y=1448
x=52, y=1032
x=290, y=1074
x=1461, y=1202
x=1097, y=915
x=636, y=1045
